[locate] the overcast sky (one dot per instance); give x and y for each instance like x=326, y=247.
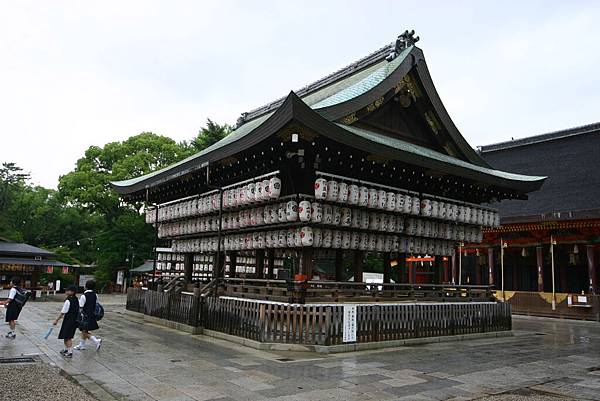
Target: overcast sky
x=75, y=74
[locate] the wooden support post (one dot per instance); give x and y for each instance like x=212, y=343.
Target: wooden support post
x=411, y=273
x=339, y=265
x=563, y=274
x=306, y=262
x=477, y=272
x=454, y=267
x=386, y=267
x=188, y=266
x=490, y=266
x=260, y=263
x=446, y=269
x=232, y=264
x=515, y=276
x=271, y=261
x=593, y=287
x=219, y=265
x=539, y=256
x=357, y=266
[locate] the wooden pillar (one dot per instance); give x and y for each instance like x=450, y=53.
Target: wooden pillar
x=188, y=266
x=477, y=272
x=446, y=268
x=539, y=256
x=386, y=268
x=306, y=262
x=260, y=263
x=563, y=274
x=490, y=266
x=593, y=287
x=412, y=273
x=219, y=265
x=454, y=267
x=357, y=266
x=35, y=277
x=271, y=261
x=515, y=276
x=339, y=265
x=232, y=264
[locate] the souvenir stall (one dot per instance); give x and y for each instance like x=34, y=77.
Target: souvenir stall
x=365, y=160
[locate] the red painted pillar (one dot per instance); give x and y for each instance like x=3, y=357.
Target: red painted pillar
x=540, y=268
x=490, y=266
x=593, y=287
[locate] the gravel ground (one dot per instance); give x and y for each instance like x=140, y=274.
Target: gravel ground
x=525, y=395
x=38, y=381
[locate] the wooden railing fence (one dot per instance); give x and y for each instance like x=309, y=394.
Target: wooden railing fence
x=332, y=291
x=321, y=324
x=180, y=308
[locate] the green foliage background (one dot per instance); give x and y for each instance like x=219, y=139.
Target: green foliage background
x=83, y=221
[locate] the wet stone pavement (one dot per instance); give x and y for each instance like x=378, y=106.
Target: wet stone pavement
x=545, y=360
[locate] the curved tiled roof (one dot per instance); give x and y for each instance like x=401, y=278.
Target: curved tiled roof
x=330, y=99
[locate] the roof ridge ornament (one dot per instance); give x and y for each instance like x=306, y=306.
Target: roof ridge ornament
x=403, y=41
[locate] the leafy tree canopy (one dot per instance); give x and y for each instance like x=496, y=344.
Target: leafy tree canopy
x=84, y=222
x=209, y=135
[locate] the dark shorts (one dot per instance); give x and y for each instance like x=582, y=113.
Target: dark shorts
x=12, y=312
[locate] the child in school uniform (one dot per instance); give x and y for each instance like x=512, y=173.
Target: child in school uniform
x=69, y=314
x=87, y=303
x=14, y=304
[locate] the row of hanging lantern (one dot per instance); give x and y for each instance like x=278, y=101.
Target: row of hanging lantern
x=320, y=238
x=325, y=215
x=169, y=257
x=389, y=199
x=237, y=195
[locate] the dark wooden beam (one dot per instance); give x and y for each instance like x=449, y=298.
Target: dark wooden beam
x=260, y=263
x=357, y=266
x=339, y=265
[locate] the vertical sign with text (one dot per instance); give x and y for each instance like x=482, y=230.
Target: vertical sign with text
x=349, y=323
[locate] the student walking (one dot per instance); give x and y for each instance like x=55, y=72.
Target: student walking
x=69, y=313
x=16, y=300
x=88, y=323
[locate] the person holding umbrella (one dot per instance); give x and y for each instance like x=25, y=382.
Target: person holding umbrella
x=70, y=315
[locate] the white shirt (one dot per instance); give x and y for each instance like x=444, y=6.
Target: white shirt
x=12, y=293
x=65, y=307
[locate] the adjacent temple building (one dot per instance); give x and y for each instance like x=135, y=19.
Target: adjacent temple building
x=559, y=224
x=363, y=161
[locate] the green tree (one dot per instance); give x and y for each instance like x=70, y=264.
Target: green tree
x=209, y=135
x=122, y=229
x=35, y=215
x=11, y=177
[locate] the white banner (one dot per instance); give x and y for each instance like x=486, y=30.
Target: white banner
x=120, y=275
x=83, y=278
x=349, y=323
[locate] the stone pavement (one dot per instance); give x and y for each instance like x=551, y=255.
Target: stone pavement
x=545, y=360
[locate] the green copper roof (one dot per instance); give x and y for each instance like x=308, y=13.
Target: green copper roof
x=432, y=154
x=365, y=84
x=356, y=83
